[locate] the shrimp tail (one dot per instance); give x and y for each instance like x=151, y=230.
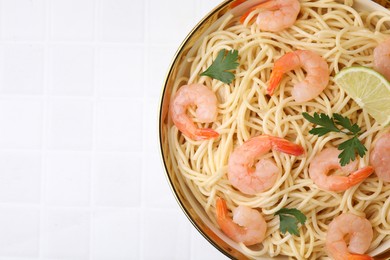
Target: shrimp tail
x=359, y=257
x=360, y=175
x=287, y=147
x=236, y=3
x=276, y=77
x=221, y=209
x=205, y=134
x=224, y=221
x=246, y=14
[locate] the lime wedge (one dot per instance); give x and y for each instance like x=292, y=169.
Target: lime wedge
x=369, y=89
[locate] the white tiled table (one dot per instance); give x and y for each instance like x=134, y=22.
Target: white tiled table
x=80, y=174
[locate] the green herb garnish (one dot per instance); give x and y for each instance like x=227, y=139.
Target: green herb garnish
x=219, y=69
x=326, y=124
x=289, y=220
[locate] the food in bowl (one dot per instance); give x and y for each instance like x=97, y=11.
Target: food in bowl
x=278, y=127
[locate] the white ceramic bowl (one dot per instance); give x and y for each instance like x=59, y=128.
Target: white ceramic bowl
x=184, y=197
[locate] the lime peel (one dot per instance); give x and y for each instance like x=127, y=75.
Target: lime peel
x=366, y=86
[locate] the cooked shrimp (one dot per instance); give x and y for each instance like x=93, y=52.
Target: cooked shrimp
x=276, y=15
x=317, y=74
x=327, y=160
x=380, y=157
x=382, y=58
x=247, y=226
x=262, y=176
x=348, y=237
x=206, y=112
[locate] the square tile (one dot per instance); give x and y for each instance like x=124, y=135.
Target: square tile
x=72, y=19
x=150, y=126
x=71, y=70
x=19, y=236
x=121, y=72
x=22, y=19
x=66, y=234
x=159, y=59
x=20, y=182
x=70, y=124
x=157, y=193
x=206, y=6
x=68, y=178
x=183, y=20
x=119, y=125
x=21, y=69
x=202, y=249
x=166, y=225
x=121, y=21
x=116, y=234
x=21, y=120
x=116, y=180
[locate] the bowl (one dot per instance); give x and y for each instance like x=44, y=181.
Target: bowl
x=191, y=208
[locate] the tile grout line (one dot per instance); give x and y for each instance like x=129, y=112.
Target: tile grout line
x=142, y=212
x=17, y=96
x=45, y=119
x=1, y=22
x=85, y=98
x=94, y=126
x=59, y=207
x=63, y=42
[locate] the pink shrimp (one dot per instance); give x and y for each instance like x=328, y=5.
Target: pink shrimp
x=327, y=160
x=357, y=230
x=206, y=112
x=276, y=15
x=252, y=180
x=247, y=226
x=380, y=157
x=317, y=74
x=382, y=58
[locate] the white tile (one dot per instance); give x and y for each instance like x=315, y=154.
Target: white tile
x=70, y=124
x=117, y=180
x=119, y=125
x=155, y=178
x=21, y=69
x=115, y=234
x=206, y=6
x=71, y=70
x=121, y=72
x=121, y=20
x=66, y=234
x=159, y=59
x=182, y=20
x=201, y=249
x=71, y=19
x=165, y=225
x=19, y=234
x=68, y=178
x=21, y=123
x=150, y=126
x=20, y=182
x=22, y=19
x=157, y=193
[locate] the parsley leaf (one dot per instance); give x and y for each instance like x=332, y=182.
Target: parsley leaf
x=323, y=120
x=219, y=69
x=289, y=220
x=350, y=147
x=346, y=123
